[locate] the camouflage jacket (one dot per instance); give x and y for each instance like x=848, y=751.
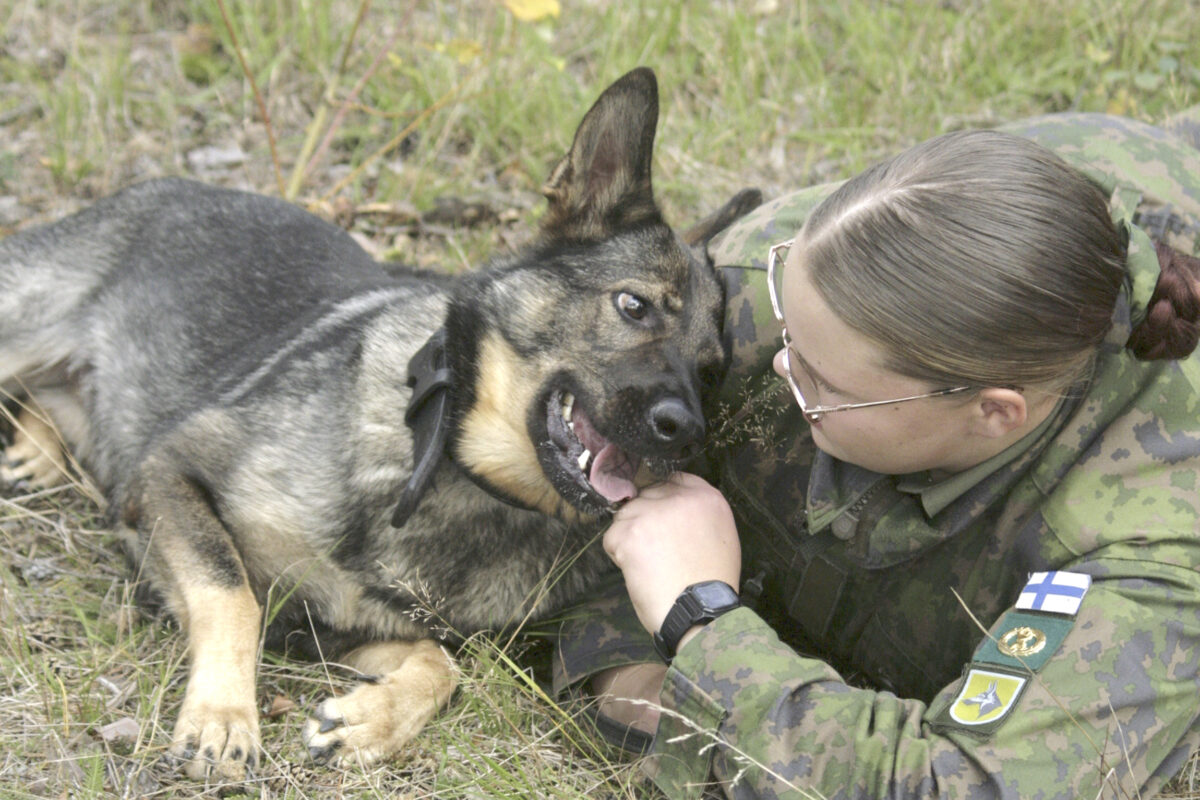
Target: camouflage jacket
x=894, y=589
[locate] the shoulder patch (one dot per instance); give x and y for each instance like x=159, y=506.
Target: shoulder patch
x=984, y=701
x=1054, y=592
x=1021, y=642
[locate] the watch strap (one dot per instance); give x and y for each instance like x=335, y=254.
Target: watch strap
x=691, y=609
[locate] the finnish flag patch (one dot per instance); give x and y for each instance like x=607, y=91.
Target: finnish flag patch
x=1054, y=592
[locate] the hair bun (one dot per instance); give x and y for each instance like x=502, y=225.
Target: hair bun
x=1172, y=325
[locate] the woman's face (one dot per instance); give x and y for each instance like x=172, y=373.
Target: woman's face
x=846, y=367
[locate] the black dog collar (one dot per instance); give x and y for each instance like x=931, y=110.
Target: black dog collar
x=428, y=415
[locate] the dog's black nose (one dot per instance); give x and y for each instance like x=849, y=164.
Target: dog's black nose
x=674, y=423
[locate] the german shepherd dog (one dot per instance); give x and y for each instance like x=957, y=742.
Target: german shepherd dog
x=378, y=457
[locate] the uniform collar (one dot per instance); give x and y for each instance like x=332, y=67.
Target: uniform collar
x=899, y=524
x=936, y=495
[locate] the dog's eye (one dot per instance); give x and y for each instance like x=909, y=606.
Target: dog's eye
x=631, y=306
x=710, y=378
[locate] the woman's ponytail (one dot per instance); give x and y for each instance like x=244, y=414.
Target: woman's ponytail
x=1172, y=325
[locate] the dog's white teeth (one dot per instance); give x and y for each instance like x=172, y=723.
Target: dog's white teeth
x=584, y=458
x=568, y=404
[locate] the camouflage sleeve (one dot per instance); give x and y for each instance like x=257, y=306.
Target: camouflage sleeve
x=598, y=635
x=1153, y=175
x=741, y=707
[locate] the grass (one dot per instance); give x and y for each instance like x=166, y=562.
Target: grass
x=478, y=105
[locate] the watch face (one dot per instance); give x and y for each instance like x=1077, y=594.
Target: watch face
x=714, y=595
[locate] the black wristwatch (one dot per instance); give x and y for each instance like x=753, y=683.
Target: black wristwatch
x=697, y=604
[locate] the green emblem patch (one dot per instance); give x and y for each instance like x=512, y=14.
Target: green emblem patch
x=1024, y=641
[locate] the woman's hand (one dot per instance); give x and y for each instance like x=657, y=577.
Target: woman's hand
x=670, y=536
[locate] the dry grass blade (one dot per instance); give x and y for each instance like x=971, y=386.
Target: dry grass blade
x=394, y=142
x=305, y=160
x=310, y=153
x=258, y=97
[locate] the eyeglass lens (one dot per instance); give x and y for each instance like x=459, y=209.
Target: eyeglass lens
x=803, y=384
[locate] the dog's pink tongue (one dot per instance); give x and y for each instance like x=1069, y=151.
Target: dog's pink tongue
x=612, y=474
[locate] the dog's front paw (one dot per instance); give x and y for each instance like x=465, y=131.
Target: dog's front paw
x=35, y=459
x=377, y=719
x=366, y=725
x=216, y=742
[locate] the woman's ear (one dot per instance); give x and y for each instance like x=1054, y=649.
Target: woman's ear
x=999, y=411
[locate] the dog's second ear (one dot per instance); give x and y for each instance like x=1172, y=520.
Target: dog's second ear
x=603, y=184
x=737, y=207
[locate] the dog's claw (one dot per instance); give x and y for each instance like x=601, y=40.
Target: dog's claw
x=324, y=753
x=184, y=754
x=176, y=760
x=215, y=746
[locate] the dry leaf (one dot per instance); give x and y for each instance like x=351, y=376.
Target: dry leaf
x=280, y=705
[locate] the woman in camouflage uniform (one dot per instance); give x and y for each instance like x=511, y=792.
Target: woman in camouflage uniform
x=982, y=513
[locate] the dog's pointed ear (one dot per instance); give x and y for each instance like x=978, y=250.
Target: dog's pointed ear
x=603, y=184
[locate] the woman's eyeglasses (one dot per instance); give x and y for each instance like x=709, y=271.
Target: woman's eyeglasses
x=803, y=384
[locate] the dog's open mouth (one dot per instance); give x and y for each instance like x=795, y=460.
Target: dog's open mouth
x=594, y=464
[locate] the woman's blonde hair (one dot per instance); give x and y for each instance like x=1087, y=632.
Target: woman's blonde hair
x=976, y=257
